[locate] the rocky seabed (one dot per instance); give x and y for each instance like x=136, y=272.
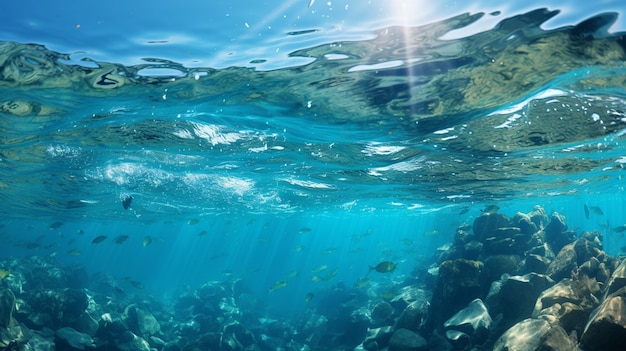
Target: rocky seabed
x=525, y=283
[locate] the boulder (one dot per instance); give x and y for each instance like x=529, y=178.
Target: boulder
x=41, y=341
x=534, y=335
x=406, y=340
x=538, y=217
x=535, y=264
x=458, y=339
x=11, y=332
x=459, y=282
x=414, y=316
x=565, y=262
x=606, y=329
x=556, y=234
x=382, y=311
x=568, y=303
x=140, y=322
x=377, y=338
x=74, y=303
x=74, y=339
x=524, y=223
x=7, y=305
x=474, y=321
x=497, y=265
x=617, y=280
x=131, y=342
x=515, y=296
x=486, y=224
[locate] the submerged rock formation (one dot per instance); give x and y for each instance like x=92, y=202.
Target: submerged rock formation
x=501, y=289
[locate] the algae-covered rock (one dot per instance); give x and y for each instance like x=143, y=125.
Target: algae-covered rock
x=486, y=224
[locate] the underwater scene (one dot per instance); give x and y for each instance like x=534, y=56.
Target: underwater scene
x=312, y=175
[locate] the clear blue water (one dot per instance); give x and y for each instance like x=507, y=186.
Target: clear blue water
x=278, y=141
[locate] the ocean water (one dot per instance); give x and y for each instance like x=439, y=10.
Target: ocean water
x=292, y=145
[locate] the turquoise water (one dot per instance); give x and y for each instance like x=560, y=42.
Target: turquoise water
x=287, y=143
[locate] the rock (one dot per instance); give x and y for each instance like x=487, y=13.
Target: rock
x=75, y=302
x=472, y=250
x=406, y=340
x=474, y=320
x=459, y=340
x=140, y=322
x=486, y=224
x=85, y=324
x=538, y=217
x=534, y=335
x=459, y=282
x=414, y=316
x=617, y=280
x=11, y=332
x=377, y=338
x=606, y=329
x=535, y=264
x=524, y=223
x=41, y=341
x=7, y=305
x=382, y=311
x=132, y=342
x=514, y=297
x=569, y=303
x=243, y=336
x=554, y=232
x=497, y=265
x=75, y=339
x=565, y=262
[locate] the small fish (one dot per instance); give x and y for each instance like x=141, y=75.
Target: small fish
x=298, y=248
x=304, y=230
x=293, y=274
x=361, y=283
x=120, y=239
x=596, y=210
x=319, y=268
x=620, y=229
x=387, y=295
x=80, y=232
x=308, y=297
x=311, y=2
x=99, y=239
x=126, y=201
x=147, y=240
x=316, y=279
x=4, y=273
x=586, y=211
x=432, y=233
x=384, y=267
x=203, y=233
x=73, y=252
x=278, y=285
x=300, y=32
x=193, y=221
x=55, y=225
x=491, y=209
